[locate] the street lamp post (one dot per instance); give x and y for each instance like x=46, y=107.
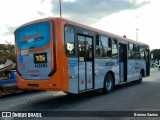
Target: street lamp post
x=60, y=8
x=137, y=34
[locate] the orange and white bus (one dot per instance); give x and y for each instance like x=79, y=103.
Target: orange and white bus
x=60, y=55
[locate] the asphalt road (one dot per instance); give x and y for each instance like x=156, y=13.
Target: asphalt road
x=131, y=97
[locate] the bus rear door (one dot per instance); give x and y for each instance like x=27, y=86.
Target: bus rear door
x=147, y=51
x=123, y=62
x=85, y=69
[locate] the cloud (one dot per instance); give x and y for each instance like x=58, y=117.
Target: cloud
x=42, y=1
x=40, y=13
x=10, y=30
x=83, y=11
x=90, y=11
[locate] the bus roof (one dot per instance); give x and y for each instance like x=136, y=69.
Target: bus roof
x=101, y=31
x=85, y=27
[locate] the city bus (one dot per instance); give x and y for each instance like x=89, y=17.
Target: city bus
x=56, y=54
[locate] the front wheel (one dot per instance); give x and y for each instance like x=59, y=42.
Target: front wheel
x=108, y=83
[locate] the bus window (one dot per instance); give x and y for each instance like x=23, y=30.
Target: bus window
x=146, y=55
x=69, y=41
x=141, y=50
x=136, y=48
x=133, y=51
x=89, y=49
x=136, y=51
x=114, y=48
x=130, y=51
x=130, y=46
x=33, y=36
x=81, y=45
x=103, y=49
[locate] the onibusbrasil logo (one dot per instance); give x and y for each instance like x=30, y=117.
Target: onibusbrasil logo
x=21, y=114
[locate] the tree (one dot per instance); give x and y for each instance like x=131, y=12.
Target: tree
x=7, y=51
x=156, y=54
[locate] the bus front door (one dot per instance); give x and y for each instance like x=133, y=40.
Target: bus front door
x=147, y=62
x=123, y=62
x=85, y=70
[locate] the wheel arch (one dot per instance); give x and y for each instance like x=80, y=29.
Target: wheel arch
x=112, y=73
x=109, y=82
x=143, y=73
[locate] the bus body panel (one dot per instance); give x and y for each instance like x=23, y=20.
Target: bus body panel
x=73, y=75
x=89, y=79
x=31, y=69
x=131, y=70
x=102, y=67
x=134, y=69
x=55, y=82
x=61, y=58
x=34, y=51
x=82, y=76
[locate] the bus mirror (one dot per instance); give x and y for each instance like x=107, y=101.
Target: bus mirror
x=97, y=40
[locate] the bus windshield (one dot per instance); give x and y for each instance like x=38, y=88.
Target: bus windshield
x=33, y=36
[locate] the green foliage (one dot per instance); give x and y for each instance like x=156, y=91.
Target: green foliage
x=7, y=52
x=156, y=54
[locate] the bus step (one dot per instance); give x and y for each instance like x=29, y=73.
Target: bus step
x=85, y=90
x=122, y=83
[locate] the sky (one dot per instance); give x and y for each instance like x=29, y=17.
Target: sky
x=121, y=17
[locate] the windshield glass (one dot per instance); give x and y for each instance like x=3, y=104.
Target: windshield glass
x=33, y=36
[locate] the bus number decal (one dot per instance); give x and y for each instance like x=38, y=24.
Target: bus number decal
x=109, y=63
x=41, y=65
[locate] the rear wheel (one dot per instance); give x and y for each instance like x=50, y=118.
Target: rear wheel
x=108, y=83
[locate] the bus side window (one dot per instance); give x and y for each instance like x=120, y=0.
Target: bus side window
x=114, y=48
x=69, y=41
x=103, y=47
x=130, y=51
x=142, y=51
x=136, y=51
x=146, y=55
x=89, y=53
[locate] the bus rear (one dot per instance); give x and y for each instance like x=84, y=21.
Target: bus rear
x=35, y=53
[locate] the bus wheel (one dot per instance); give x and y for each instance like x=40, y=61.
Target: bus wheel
x=108, y=83
x=140, y=78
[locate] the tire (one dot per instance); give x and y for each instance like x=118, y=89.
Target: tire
x=108, y=83
x=140, y=78
x=159, y=67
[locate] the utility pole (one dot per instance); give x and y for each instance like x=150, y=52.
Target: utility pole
x=60, y=8
x=137, y=34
